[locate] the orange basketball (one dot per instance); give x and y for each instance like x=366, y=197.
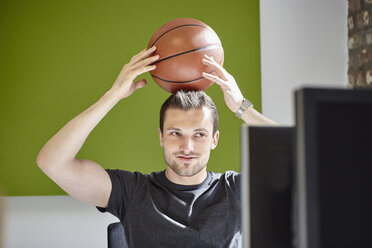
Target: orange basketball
x=181, y=45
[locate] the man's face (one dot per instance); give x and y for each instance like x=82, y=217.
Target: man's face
x=187, y=140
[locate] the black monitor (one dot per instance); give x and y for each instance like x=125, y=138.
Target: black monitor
x=267, y=156
x=334, y=177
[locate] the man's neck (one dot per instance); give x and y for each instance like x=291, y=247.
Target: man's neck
x=183, y=180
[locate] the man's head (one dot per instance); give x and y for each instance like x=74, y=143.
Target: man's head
x=186, y=100
x=188, y=132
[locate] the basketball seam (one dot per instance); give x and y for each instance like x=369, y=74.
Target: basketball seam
x=189, y=51
x=178, y=82
x=176, y=28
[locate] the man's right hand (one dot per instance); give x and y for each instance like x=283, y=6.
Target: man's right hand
x=124, y=85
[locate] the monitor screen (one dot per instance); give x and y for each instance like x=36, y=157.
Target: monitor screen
x=267, y=163
x=335, y=167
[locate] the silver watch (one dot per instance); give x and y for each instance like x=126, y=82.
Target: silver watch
x=245, y=105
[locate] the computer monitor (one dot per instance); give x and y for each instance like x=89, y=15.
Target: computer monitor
x=334, y=179
x=267, y=156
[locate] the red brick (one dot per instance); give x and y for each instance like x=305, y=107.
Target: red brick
x=351, y=60
x=360, y=80
x=351, y=78
x=354, y=41
x=369, y=36
x=364, y=56
x=354, y=5
x=369, y=77
x=350, y=23
x=362, y=19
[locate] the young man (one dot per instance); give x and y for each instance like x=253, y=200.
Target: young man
x=184, y=206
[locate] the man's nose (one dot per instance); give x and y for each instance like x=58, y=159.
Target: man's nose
x=187, y=145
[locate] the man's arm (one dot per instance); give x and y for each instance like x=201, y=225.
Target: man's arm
x=86, y=180
x=232, y=94
x=253, y=117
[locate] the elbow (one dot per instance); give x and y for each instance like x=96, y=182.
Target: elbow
x=48, y=161
x=40, y=160
x=43, y=160
x=44, y=163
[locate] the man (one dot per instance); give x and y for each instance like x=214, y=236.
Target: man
x=184, y=206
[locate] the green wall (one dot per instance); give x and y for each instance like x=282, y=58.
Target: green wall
x=58, y=57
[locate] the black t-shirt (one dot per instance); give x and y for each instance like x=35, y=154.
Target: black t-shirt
x=158, y=213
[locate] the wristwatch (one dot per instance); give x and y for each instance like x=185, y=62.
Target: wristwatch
x=245, y=105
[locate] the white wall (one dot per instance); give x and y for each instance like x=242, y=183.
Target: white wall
x=53, y=221
x=303, y=42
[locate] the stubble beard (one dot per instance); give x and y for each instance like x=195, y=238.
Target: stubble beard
x=184, y=169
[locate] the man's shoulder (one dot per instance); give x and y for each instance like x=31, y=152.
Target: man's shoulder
x=135, y=177
x=127, y=175
x=224, y=175
x=229, y=182
x=228, y=176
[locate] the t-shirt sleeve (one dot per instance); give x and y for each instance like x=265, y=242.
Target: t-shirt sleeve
x=234, y=179
x=124, y=185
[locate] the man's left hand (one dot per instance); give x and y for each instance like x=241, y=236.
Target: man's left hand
x=231, y=92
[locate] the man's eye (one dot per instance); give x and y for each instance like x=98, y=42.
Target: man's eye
x=176, y=133
x=199, y=135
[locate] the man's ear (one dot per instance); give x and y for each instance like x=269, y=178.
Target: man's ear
x=160, y=137
x=216, y=136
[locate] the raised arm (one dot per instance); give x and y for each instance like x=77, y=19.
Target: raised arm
x=86, y=180
x=232, y=94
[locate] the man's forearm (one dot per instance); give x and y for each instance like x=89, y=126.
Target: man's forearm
x=255, y=118
x=65, y=145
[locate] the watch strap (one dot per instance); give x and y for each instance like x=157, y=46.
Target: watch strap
x=243, y=107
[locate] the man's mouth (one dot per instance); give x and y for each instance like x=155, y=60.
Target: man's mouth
x=186, y=157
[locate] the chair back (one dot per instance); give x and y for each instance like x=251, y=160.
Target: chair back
x=116, y=236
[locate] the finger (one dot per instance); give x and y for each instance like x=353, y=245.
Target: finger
x=218, y=79
x=140, y=84
x=143, y=54
x=213, y=63
x=144, y=69
x=209, y=57
x=146, y=61
x=215, y=79
x=212, y=59
x=217, y=67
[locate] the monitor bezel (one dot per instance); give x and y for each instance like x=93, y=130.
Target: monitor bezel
x=307, y=101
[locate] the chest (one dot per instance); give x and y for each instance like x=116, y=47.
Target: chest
x=208, y=216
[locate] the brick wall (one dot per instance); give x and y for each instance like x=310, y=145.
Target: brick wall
x=360, y=43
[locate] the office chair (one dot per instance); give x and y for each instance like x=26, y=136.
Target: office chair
x=116, y=236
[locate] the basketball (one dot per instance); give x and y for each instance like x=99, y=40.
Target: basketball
x=181, y=45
